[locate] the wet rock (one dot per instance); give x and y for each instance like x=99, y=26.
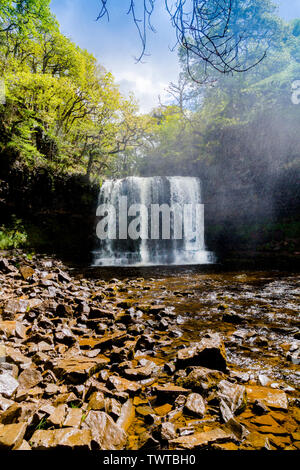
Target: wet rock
x=26, y=271
x=168, y=431
x=13, y=307
x=201, y=439
x=68, y=438
x=8, y=385
x=170, y=390
x=73, y=418
x=123, y=385
x=163, y=410
x=106, y=434
x=96, y=401
x=195, y=404
x=29, y=378
x=78, y=369
x=11, y=369
x=240, y=431
x=268, y=396
x=112, y=407
x=259, y=408
x=11, y=435
x=201, y=379
x=126, y=416
x=57, y=418
x=233, y=318
x=209, y=353
x=233, y=399
x=12, y=414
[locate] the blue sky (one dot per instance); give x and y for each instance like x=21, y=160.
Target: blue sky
x=116, y=44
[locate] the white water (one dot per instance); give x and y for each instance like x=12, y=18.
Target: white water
x=147, y=252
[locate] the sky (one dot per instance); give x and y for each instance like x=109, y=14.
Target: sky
x=115, y=44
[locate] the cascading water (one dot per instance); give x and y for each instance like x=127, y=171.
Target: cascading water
x=151, y=221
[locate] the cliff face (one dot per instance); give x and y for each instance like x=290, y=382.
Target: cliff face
x=58, y=213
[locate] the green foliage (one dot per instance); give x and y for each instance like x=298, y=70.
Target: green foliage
x=13, y=236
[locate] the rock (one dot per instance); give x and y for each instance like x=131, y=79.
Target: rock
x=11, y=369
x=168, y=431
x=65, y=336
x=5, y=403
x=14, y=306
x=29, y=378
x=123, y=385
x=23, y=446
x=256, y=441
x=126, y=416
x=201, y=439
x=163, y=410
x=11, y=435
x=112, y=407
x=209, y=352
x=68, y=438
x=12, y=414
x=240, y=431
x=57, y=418
x=259, y=408
x=8, y=385
x=195, y=404
x=233, y=318
x=169, y=389
x=106, y=434
x=73, y=418
x=268, y=396
x=233, y=399
x=96, y=401
x=139, y=372
x=201, y=379
x=79, y=368
x=6, y=267
x=26, y=271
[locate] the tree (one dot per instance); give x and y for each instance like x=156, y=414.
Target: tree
x=212, y=31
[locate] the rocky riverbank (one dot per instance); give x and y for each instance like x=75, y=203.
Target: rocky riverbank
x=180, y=362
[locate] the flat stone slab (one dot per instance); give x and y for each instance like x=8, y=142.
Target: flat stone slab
x=201, y=439
x=268, y=396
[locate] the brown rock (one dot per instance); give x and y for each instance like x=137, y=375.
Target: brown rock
x=168, y=431
x=26, y=272
x=14, y=306
x=113, y=407
x=11, y=435
x=73, y=418
x=68, y=438
x=123, y=385
x=127, y=415
x=57, y=418
x=8, y=385
x=170, y=390
x=11, y=415
x=78, y=369
x=233, y=399
x=268, y=396
x=195, y=404
x=201, y=379
x=209, y=352
x=29, y=378
x=201, y=439
x=105, y=433
x=96, y=401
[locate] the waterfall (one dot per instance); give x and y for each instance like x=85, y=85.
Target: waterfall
x=151, y=221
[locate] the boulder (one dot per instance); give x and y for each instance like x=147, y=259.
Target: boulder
x=195, y=404
x=270, y=397
x=29, y=378
x=67, y=438
x=201, y=379
x=77, y=369
x=11, y=435
x=209, y=352
x=201, y=439
x=8, y=385
x=106, y=434
x=233, y=399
